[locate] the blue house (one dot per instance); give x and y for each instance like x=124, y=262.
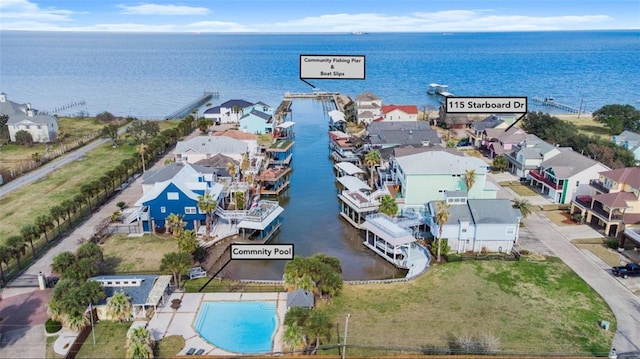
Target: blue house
x=177, y=195
x=257, y=122
x=629, y=140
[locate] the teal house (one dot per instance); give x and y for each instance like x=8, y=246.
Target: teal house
x=257, y=119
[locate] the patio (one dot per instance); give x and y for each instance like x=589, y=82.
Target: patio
x=168, y=321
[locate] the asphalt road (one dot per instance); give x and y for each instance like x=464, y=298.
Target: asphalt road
x=35, y=175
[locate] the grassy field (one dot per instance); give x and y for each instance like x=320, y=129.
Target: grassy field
x=519, y=188
x=110, y=341
x=587, y=125
x=22, y=206
x=129, y=254
x=73, y=129
x=530, y=307
x=169, y=346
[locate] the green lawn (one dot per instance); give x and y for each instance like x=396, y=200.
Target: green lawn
x=136, y=254
x=519, y=188
x=169, y=346
x=23, y=205
x=530, y=307
x=587, y=125
x=110, y=341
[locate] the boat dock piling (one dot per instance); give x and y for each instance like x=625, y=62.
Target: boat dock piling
x=186, y=110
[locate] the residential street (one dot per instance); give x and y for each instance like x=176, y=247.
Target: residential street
x=624, y=304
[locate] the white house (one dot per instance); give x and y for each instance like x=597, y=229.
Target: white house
x=529, y=154
x=203, y=147
x=228, y=112
x=368, y=107
x=42, y=127
x=565, y=175
x=629, y=140
x=399, y=113
x=476, y=224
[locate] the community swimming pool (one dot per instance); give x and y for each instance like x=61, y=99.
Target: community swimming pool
x=245, y=327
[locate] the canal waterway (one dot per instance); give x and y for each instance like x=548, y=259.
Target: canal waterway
x=311, y=220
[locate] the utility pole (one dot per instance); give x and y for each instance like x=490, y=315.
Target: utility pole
x=344, y=341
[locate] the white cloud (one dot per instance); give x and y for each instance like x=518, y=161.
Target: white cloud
x=26, y=10
x=155, y=9
x=454, y=20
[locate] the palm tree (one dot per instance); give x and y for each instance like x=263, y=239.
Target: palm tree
x=469, y=179
x=500, y=163
x=187, y=242
x=140, y=344
x=175, y=224
x=86, y=190
x=5, y=256
x=442, y=216
x=62, y=262
x=142, y=148
x=176, y=264
x=388, y=205
x=294, y=337
x=371, y=159
x=319, y=328
x=45, y=223
x=16, y=246
x=57, y=213
x=525, y=207
x=207, y=205
x=119, y=307
x=69, y=207
x=30, y=233
x=79, y=200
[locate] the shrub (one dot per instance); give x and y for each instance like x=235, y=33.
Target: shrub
x=612, y=243
x=52, y=326
x=121, y=204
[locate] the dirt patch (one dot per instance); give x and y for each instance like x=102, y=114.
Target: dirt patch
x=561, y=218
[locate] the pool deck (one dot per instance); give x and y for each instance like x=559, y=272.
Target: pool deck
x=168, y=321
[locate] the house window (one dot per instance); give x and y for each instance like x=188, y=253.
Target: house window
x=173, y=195
x=163, y=209
x=109, y=283
x=117, y=282
x=511, y=230
x=464, y=230
x=189, y=210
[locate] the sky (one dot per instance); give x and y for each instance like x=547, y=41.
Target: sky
x=321, y=16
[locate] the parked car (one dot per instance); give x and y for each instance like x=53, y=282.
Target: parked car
x=626, y=271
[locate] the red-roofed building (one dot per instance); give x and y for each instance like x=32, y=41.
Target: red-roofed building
x=399, y=113
x=614, y=202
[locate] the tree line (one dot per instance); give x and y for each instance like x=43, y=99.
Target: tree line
x=565, y=134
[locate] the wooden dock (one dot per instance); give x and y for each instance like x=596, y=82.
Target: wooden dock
x=186, y=110
x=316, y=95
x=550, y=102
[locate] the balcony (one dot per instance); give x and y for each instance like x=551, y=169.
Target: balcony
x=535, y=174
x=599, y=186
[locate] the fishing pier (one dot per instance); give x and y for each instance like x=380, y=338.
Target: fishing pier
x=550, y=102
x=186, y=110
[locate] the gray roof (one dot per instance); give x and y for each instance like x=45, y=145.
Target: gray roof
x=569, y=163
x=402, y=133
x=236, y=103
x=482, y=211
x=259, y=114
x=17, y=112
x=137, y=294
x=300, y=298
x=398, y=125
x=169, y=171
x=367, y=96
x=211, y=145
x=488, y=122
x=218, y=161
x=492, y=211
x=215, y=109
x=410, y=150
x=440, y=162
